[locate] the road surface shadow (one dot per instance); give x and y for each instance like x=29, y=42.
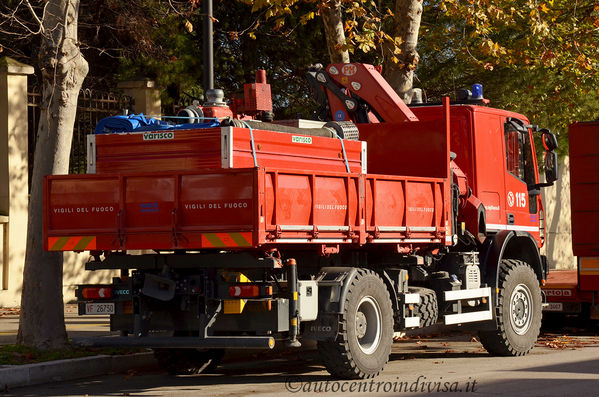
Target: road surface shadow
x=578, y=367
x=258, y=369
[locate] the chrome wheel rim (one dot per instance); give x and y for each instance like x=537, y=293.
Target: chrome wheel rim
x=521, y=309
x=368, y=324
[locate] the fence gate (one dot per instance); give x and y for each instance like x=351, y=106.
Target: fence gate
x=92, y=106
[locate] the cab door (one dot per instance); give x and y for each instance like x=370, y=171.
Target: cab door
x=521, y=197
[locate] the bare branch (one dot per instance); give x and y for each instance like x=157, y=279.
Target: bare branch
x=34, y=15
x=170, y=3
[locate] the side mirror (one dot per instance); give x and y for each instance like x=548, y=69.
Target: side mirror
x=534, y=190
x=549, y=140
x=550, y=166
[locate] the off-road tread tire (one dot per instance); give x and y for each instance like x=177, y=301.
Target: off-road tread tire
x=498, y=342
x=188, y=361
x=428, y=308
x=337, y=355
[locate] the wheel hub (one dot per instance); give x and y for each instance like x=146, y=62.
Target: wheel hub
x=520, y=309
x=369, y=324
x=361, y=325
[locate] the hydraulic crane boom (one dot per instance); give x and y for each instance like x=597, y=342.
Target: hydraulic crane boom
x=356, y=92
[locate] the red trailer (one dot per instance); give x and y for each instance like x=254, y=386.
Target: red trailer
x=385, y=218
x=577, y=291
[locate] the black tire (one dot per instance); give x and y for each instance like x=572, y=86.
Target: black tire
x=188, y=361
x=363, y=344
x=427, y=309
x=520, y=311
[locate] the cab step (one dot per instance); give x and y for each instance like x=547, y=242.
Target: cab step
x=472, y=316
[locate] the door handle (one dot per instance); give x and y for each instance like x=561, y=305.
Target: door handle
x=510, y=219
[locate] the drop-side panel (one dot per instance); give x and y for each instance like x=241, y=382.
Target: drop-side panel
x=210, y=209
x=314, y=208
x=407, y=210
x=243, y=209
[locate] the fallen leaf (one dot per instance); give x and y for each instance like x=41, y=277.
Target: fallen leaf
x=189, y=26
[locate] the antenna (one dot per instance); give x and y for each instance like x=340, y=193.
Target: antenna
x=207, y=46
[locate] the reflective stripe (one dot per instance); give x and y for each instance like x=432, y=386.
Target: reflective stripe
x=85, y=242
x=72, y=243
x=219, y=240
x=589, y=266
x=494, y=226
x=588, y=263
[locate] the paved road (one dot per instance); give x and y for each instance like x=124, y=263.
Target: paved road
x=416, y=367
x=76, y=326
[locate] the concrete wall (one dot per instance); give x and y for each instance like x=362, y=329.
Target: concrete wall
x=73, y=273
x=14, y=198
x=146, y=98
x=556, y=199
x=145, y=94
x=14, y=176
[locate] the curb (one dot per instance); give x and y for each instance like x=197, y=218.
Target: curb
x=70, y=369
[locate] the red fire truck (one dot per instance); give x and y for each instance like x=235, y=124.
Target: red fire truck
x=577, y=291
x=380, y=218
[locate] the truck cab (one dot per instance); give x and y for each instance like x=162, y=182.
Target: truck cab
x=483, y=137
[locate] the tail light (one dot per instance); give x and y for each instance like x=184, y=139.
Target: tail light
x=244, y=291
x=96, y=293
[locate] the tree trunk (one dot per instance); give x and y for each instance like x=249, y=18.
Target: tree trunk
x=63, y=70
x=406, y=23
x=334, y=33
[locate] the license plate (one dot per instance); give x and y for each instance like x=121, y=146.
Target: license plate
x=554, y=307
x=99, y=308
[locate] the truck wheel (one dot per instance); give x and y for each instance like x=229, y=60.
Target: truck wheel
x=363, y=344
x=519, y=316
x=188, y=361
x=428, y=309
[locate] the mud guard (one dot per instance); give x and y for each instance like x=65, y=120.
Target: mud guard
x=509, y=244
x=333, y=283
x=475, y=216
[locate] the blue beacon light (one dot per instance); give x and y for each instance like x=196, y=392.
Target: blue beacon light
x=477, y=91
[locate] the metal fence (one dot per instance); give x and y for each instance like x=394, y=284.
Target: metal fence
x=92, y=106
